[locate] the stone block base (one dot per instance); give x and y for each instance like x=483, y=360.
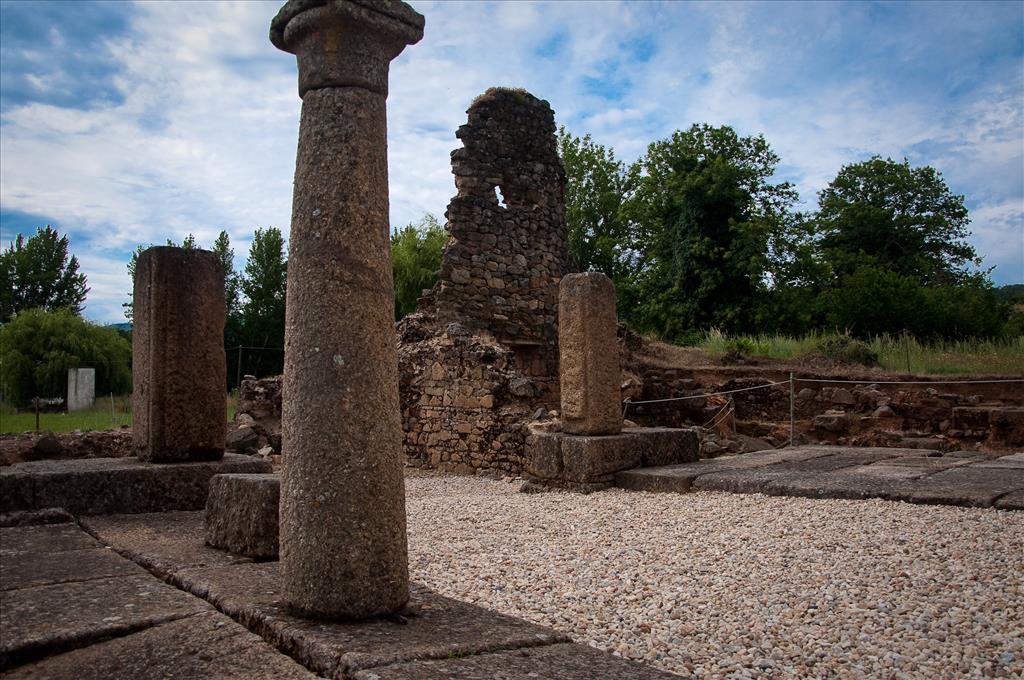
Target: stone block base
x=241, y=514
x=106, y=486
x=589, y=463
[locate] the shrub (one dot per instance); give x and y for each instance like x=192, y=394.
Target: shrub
x=37, y=347
x=846, y=350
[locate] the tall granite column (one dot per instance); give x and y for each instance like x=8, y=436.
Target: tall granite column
x=343, y=545
x=179, y=373
x=588, y=355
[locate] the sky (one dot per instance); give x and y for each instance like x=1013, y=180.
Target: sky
x=132, y=123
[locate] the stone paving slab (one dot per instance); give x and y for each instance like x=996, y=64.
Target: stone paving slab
x=47, y=538
x=912, y=475
x=26, y=569
x=1011, y=501
x=440, y=627
x=970, y=486
x=47, y=619
x=97, y=486
x=561, y=661
x=206, y=645
x=1014, y=461
x=162, y=542
x=163, y=631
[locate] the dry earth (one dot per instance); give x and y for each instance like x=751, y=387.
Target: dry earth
x=721, y=585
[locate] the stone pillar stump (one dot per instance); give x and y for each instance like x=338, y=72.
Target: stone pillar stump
x=588, y=350
x=241, y=514
x=179, y=371
x=342, y=522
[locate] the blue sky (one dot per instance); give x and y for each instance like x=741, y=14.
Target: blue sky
x=126, y=123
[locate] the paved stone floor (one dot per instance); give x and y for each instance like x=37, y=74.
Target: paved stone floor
x=142, y=596
x=914, y=475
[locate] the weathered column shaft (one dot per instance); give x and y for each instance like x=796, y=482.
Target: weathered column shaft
x=342, y=526
x=588, y=351
x=179, y=372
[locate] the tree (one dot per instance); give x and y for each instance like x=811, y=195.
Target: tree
x=133, y=262
x=707, y=219
x=415, y=261
x=262, y=312
x=901, y=219
x=233, y=332
x=37, y=272
x=232, y=285
x=596, y=187
x=38, y=347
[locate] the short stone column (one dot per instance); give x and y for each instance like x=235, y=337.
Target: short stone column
x=342, y=522
x=588, y=350
x=179, y=372
x=241, y=514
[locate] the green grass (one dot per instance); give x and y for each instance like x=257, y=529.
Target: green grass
x=106, y=414
x=895, y=353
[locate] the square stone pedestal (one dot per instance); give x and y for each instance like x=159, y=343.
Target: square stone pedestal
x=589, y=463
x=241, y=514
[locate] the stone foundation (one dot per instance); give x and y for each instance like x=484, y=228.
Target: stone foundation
x=242, y=514
x=589, y=463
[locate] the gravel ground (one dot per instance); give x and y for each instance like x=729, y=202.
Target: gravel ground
x=722, y=585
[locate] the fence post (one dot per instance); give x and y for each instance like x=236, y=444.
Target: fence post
x=238, y=371
x=792, y=418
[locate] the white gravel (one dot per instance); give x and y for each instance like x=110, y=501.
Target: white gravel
x=723, y=585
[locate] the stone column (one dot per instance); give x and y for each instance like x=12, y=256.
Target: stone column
x=588, y=355
x=179, y=372
x=342, y=526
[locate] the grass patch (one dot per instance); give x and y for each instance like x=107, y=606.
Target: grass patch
x=108, y=413
x=899, y=354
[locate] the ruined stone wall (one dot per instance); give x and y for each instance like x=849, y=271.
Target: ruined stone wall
x=479, y=359
x=464, y=403
x=943, y=416
x=506, y=250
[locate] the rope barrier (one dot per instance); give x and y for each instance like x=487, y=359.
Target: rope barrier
x=626, y=403
x=709, y=394
x=910, y=382
x=726, y=410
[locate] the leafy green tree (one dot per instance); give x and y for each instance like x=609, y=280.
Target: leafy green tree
x=597, y=185
x=896, y=217
x=262, y=311
x=38, y=273
x=38, y=347
x=415, y=260
x=232, y=283
x=233, y=331
x=708, y=219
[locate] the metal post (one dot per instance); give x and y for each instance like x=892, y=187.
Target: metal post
x=792, y=417
x=35, y=402
x=113, y=422
x=238, y=371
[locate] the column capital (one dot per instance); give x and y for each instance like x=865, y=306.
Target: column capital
x=345, y=43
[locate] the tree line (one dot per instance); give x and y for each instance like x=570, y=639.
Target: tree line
x=696, y=234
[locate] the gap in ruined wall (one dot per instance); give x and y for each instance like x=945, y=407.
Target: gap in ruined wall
x=500, y=197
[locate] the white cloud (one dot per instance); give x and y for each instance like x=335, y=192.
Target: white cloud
x=204, y=137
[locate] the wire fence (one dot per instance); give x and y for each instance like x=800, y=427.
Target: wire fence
x=730, y=408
